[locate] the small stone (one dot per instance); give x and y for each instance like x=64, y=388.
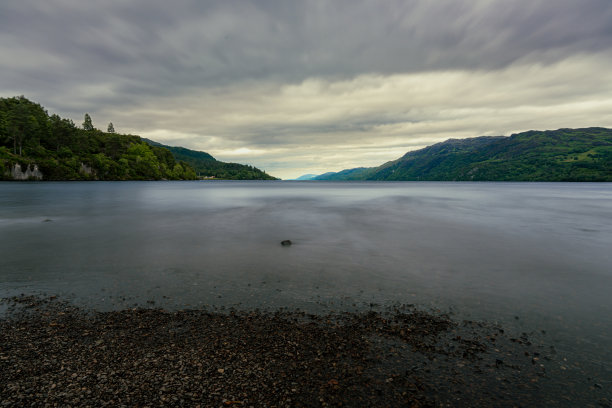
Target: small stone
x=286, y=242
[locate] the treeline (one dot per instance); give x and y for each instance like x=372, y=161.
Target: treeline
x=207, y=166
x=63, y=151
x=233, y=171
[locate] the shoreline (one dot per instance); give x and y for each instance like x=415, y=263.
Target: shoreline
x=54, y=353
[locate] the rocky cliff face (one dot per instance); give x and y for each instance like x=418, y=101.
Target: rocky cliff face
x=85, y=169
x=30, y=173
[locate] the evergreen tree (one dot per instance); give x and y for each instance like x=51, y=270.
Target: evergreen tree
x=87, y=125
x=111, y=128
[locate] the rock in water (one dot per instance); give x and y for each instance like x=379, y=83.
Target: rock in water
x=286, y=242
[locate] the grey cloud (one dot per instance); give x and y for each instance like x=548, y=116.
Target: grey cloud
x=158, y=47
x=278, y=76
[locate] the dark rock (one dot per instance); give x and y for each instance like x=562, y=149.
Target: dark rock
x=286, y=242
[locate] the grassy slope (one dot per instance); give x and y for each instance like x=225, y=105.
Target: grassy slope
x=559, y=155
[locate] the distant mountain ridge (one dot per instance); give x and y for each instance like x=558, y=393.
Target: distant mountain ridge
x=306, y=177
x=551, y=155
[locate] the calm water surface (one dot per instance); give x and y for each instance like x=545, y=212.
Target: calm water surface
x=532, y=256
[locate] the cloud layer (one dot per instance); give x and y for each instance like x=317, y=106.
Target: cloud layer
x=307, y=87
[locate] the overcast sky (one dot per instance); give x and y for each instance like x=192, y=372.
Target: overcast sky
x=298, y=87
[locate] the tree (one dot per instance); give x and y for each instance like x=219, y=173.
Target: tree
x=4, y=126
x=111, y=128
x=87, y=125
x=22, y=124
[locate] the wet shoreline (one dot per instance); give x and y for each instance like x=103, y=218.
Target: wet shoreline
x=52, y=352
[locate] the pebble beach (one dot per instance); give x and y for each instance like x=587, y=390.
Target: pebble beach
x=56, y=354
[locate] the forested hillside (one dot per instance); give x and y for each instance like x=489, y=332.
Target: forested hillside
x=207, y=166
x=59, y=150
x=552, y=155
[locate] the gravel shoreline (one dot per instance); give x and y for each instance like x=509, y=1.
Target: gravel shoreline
x=55, y=354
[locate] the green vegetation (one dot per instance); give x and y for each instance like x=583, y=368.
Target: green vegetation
x=358, y=173
x=207, y=166
x=552, y=155
x=60, y=150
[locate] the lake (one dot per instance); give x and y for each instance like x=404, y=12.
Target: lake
x=533, y=257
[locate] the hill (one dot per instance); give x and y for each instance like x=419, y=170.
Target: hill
x=207, y=166
x=552, y=155
x=358, y=173
x=306, y=177
x=36, y=145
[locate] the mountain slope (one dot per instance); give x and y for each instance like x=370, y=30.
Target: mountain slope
x=207, y=166
x=359, y=173
x=36, y=145
x=306, y=177
x=553, y=155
